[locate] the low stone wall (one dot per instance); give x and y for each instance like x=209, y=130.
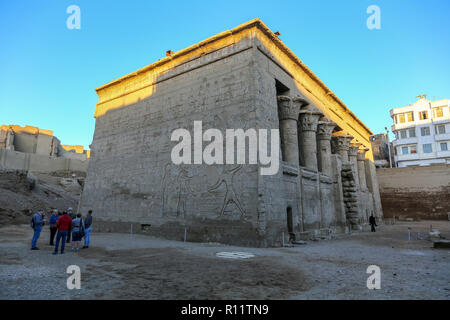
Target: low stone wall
x=197, y=230
x=415, y=192
x=39, y=163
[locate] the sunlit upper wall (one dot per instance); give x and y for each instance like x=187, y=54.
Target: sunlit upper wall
x=26, y=129
x=141, y=84
x=74, y=148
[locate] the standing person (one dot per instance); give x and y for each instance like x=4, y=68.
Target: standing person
x=53, y=227
x=372, y=223
x=71, y=216
x=88, y=229
x=77, y=232
x=64, y=223
x=37, y=222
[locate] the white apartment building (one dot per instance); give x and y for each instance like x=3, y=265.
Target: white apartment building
x=422, y=132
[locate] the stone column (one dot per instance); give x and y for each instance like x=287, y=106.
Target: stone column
x=288, y=115
x=340, y=145
x=352, y=158
x=361, y=157
x=324, y=130
x=308, y=142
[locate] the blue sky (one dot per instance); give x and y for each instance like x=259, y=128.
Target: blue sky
x=48, y=73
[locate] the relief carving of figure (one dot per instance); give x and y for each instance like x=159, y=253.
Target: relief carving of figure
x=175, y=187
x=184, y=190
x=230, y=196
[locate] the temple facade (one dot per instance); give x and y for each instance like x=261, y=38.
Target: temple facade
x=244, y=78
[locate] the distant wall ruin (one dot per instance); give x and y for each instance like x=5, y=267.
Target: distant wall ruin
x=33, y=140
x=10, y=159
x=34, y=149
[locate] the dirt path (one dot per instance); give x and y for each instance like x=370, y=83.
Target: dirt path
x=121, y=266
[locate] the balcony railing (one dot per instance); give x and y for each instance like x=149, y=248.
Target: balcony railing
x=399, y=142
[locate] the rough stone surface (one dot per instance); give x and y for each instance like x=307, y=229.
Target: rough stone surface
x=132, y=183
x=421, y=192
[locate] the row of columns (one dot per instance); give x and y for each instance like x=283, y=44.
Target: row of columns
x=313, y=144
x=324, y=132
x=355, y=155
x=295, y=116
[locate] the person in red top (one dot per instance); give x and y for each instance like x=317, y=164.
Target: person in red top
x=64, y=223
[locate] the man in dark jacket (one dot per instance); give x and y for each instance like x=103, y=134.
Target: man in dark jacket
x=372, y=223
x=71, y=216
x=88, y=229
x=37, y=222
x=53, y=228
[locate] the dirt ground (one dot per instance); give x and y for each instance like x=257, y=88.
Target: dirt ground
x=22, y=193
x=123, y=266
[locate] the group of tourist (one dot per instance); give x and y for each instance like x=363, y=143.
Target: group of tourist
x=63, y=225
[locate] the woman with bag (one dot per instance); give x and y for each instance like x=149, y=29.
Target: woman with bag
x=77, y=232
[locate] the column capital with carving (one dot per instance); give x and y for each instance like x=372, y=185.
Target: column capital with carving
x=325, y=129
x=309, y=120
x=287, y=109
x=341, y=142
x=362, y=153
x=353, y=149
x=300, y=102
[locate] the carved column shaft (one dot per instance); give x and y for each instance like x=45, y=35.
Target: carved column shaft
x=308, y=142
x=361, y=157
x=352, y=158
x=288, y=115
x=324, y=131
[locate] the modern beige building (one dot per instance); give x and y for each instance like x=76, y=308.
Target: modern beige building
x=422, y=133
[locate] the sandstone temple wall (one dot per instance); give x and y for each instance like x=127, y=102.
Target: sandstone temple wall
x=238, y=79
x=132, y=178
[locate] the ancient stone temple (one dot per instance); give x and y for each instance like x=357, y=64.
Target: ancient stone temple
x=240, y=79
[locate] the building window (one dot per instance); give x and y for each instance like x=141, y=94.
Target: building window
x=427, y=148
x=412, y=132
x=425, y=131
x=444, y=146
x=410, y=116
x=401, y=118
x=423, y=115
x=403, y=134
x=409, y=149
x=438, y=112
x=440, y=129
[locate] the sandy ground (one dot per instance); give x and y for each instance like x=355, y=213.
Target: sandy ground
x=122, y=266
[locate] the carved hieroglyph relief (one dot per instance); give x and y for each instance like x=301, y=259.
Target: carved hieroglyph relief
x=176, y=190
x=226, y=178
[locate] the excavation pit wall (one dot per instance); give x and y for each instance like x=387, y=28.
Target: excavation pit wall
x=415, y=192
